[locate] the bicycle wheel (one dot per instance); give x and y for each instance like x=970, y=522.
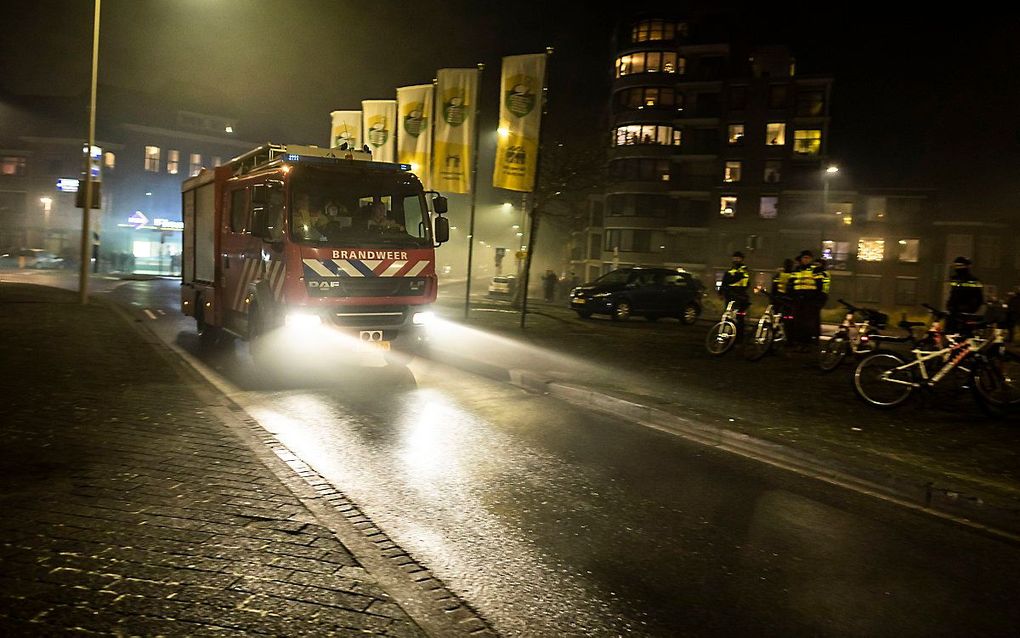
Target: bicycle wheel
x=996, y=384
x=877, y=380
x=832, y=352
x=761, y=342
x=721, y=338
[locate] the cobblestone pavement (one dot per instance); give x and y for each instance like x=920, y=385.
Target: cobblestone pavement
x=130, y=509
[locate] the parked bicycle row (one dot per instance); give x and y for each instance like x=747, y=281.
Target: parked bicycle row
x=953, y=349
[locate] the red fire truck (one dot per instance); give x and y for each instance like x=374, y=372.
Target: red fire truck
x=323, y=246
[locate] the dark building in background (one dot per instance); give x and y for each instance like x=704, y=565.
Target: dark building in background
x=148, y=146
x=717, y=147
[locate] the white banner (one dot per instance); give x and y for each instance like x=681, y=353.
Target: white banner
x=346, y=127
x=379, y=128
x=414, y=144
x=520, y=119
x=453, y=156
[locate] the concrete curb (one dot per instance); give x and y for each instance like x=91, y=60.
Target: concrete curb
x=973, y=510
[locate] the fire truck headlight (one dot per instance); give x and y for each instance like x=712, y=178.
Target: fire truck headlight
x=422, y=318
x=302, y=320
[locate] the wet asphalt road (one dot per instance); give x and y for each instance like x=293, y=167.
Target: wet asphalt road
x=554, y=521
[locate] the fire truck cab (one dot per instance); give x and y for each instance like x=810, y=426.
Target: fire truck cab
x=322, y=246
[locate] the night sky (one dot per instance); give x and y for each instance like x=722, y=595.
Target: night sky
x=920, y=100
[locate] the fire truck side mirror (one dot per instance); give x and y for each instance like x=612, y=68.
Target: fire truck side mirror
x=442, y=230
x=440, y=205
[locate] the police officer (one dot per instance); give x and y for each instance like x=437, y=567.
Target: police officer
x=809, y=288
x=966, y=293
x=780, y=291
x=735, y=284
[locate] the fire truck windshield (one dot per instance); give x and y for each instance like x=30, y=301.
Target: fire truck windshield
x=358, y=208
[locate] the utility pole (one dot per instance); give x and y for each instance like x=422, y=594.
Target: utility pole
x=86, y=227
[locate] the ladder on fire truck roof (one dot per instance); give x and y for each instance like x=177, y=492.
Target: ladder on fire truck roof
x=269, y=153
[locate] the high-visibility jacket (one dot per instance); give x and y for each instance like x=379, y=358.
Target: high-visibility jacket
x=808, y=281
x=736, y=281
x=966, y=293
x=781, y=283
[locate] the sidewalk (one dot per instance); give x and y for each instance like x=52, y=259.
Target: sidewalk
x=943, y=455
x=129, y=508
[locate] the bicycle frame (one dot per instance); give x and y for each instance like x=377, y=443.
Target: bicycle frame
x=959, y=351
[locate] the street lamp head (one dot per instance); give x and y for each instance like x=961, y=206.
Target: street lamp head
x=832, y=170
x=45, y=201
x=507, y=205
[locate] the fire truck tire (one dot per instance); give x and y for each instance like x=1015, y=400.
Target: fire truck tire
x=256, y=342
x=208, y=336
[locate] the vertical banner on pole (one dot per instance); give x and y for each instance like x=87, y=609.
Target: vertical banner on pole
x=379, y=128
x=414, y=145
x=345, y=127
x=520, y=120
x=456, y=103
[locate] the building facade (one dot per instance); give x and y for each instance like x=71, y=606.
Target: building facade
x=715, y=149
x=145, y=147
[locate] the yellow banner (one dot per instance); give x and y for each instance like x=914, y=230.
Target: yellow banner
x=414, y=144
x=520, y=120
x=379, y=128
x=346, y=127
x=453, y=153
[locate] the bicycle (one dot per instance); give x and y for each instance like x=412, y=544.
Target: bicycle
x=723, y=334
x=769, y=333
x=886, y=380
x=852, y=337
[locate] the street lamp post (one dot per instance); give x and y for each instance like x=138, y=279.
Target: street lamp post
x=86, y=234
x=831, y=171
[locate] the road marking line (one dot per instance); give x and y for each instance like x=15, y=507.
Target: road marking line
x=149, y=314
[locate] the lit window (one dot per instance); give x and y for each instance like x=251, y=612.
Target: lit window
x=775, y=134
x=109, y=160
x=649, y=62
x=736, y=135
x=907, y=250
x=10, y=165
x=836, y=253
x=870, y=249
x=634, y=134
x=173, y=161
x=195, y=165
x=773, y=172
x=807, y=142
x=727, y=206
x=732, y=172
x=769, y=207
x=152, y=159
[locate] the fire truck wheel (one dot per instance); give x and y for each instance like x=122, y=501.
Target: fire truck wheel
x=208, y=336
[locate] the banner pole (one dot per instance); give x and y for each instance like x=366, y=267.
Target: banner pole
x=535, y=200
x=474, y=193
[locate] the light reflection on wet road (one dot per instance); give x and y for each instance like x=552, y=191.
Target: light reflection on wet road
x=553, y=521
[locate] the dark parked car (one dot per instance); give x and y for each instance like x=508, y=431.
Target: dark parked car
x=649, y=292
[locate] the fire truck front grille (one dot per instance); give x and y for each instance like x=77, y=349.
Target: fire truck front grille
x=370, y=287
x=380, y=317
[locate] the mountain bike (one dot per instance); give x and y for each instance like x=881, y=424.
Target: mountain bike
x=851, y=337
x=769, y=333
x=723, y=334
x=886, y=380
